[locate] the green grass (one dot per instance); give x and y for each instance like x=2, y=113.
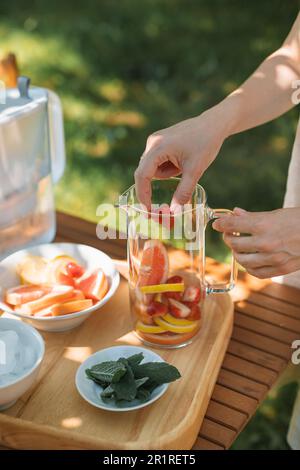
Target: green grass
x=126, y=68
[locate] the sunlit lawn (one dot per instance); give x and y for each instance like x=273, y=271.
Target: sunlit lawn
x=125, y=69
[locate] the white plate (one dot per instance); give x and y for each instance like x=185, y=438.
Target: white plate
x=90, y=391
x=89, y=257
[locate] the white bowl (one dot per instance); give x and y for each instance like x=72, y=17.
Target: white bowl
x=87, y=256
x=10, y=393
x=90, y=391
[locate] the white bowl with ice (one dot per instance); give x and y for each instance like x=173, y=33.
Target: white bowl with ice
x=21, y=353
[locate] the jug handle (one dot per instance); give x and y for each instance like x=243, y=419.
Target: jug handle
x=56, y=136
x=220, y=288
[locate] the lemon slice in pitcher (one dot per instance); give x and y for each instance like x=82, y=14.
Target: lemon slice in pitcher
x=149, y=328
x=176, y=328
x=160, y=288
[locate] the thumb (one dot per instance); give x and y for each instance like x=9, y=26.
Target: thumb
x=239, y=211
x=184, y=191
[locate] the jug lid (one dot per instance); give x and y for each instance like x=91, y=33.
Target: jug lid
x=21, y=99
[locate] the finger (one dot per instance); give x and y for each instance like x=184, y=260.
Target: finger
x=167, y=170
x=144, y=174
x=248, y=244
x=239, y=211
x=271, y=271
x=264, y=272
x=234, y=223
x=184, y=189
x=259, y=260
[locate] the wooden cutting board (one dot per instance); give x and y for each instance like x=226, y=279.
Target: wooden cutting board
x=52, y=415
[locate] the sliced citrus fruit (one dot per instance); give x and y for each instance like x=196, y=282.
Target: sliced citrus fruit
x=166, y=339
x=33, y=270
x=22, y=294
x=57, y=272
x=176, y=328
x=74, y=269
x=149, y=328
x=57, y=294
x=94, y=285
x=45, y=312
x=141, y=313
x=154, y=264
x=159, y=288
x=70, y=307
x=77, y=295
x=177, y=321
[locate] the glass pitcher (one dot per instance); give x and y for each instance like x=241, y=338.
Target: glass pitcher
x=166, y=257
x=32, y=158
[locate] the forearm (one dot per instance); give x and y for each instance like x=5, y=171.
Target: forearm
x=267, y=93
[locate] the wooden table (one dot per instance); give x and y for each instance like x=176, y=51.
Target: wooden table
x=267, y=320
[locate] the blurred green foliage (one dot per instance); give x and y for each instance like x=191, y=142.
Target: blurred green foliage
x=124, y=69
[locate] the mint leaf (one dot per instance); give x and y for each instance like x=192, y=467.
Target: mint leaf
x=135, y=359
x=143, y=394
x=110, y=371
x=107, y=392
x=159, y=372
x=140, y=382
x=150, y=385
x=125, y=388
x=91, y=377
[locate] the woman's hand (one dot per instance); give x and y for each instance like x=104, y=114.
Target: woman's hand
x=189, y=148
x=272, y=247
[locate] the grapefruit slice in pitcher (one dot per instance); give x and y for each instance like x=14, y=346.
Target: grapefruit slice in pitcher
x=154, y=265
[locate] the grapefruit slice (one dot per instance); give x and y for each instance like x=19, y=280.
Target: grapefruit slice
x=45, y=312
x=57, y=271
x=77, y=295
x=23, y=294
x=94, y=285
x=70, y=307
x=57, y=294
x=141, y=313
x=166, y=339
x=154, y=265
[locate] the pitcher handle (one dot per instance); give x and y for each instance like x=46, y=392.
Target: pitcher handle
x=227, y=286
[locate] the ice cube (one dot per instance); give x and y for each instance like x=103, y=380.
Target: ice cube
x=9, y=349
x=28, y=357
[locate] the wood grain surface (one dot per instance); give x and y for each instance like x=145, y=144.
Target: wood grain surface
x=258, y=340
x=54, y=416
